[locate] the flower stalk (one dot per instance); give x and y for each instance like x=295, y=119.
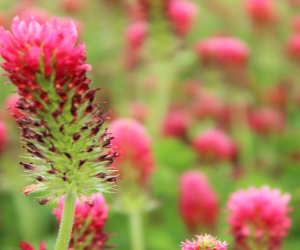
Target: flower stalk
x=67, y=221
x=136, y=231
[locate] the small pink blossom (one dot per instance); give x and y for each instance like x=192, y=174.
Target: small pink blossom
x=95, y=213
x=223, y=51
x=206, y=242
x=136, y=159
x=266, y=120
x=261, y=11
x=214, y=144
x=259, y=214
x=182, y=15
x=293, y=47
x=72, y=5
x=176, y=124
x=198, y=202
x=135, y=35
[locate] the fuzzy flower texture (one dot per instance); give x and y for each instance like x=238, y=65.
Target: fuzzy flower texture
x=62, y=128
x=206, y=242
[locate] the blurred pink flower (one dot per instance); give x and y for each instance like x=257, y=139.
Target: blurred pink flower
x=26, y=246
x=138, y=111
x=277, y=96
x=293, y=47
x=72, y=5
x=214, y=144
x=136, y=161
x=266, y=120
x=261, y=11
x=135, y=35
x=207, y=105
x=39, y=15
x=198, y=202
x=206, y=242
x=10, y=105
x=296, y=24
x=223, y=51
x=259, y=214
x=3, y=135
x=94, y=212
x=182, y=15
x=176, y=124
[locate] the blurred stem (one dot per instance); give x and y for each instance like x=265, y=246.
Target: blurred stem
x=163, y=71
x=66, y=223
x=136, y=232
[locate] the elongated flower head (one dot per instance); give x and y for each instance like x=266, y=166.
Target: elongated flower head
x=206, y=242
x=260, y=215
x=198, y=202
x=182, y=15
x=92, y=217
x=223, y=51
x=136, y=161
x=214, y=144
x=62, y=130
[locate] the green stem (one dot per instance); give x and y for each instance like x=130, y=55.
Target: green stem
x=66, y=223
x=136, y=231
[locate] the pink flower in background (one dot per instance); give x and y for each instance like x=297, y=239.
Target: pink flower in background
x=293, y=47
x=136, y=161
x=26, y=246
x=296, y=24
x=214, y=144
x=138, y=111
x=223, y=51
x=95, y=214
x=48, y=48
x=277, y=95
x=206, y=242
x=182, y=15
x=261, y=11
x=3, y=135
x=266, y=120
x=135, y=35
x=176, y=124
x=208, y=105
x=198, y=202
x=39, y=15
x=72, y=5
x=11, y=104
x=260, y=215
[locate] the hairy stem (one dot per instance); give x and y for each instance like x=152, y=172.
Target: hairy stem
x=136, y=231
x=66, y=223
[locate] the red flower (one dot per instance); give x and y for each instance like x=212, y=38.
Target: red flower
x=259, y=215
x=213, y=144
x=176, y=124
x=94, y=212
x=223, y=51
x=136, y=159
x=198, y=202
x=182, y=15
x=261, y=11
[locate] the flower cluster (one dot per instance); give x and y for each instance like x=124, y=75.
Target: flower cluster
x=62, y=127
x=198, y=202
x=136, y=161
x=26, y=246
x=206, y=242
x=260, y=215
x=89, y=221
